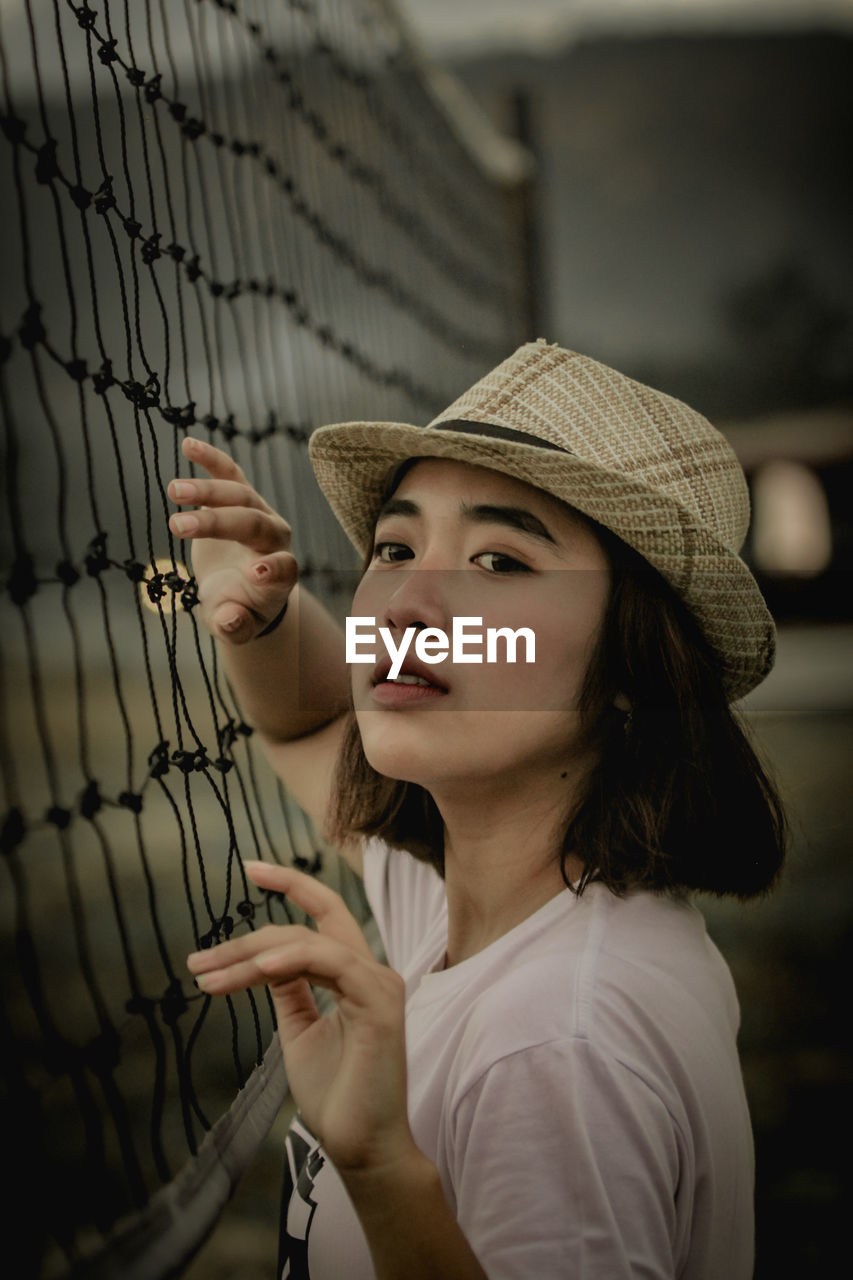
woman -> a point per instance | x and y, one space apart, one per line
545 1082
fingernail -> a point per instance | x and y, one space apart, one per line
182 489
184 524
201 980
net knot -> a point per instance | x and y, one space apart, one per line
136 77
77 370
85 16
182 416
108 52
67 574
142 395
58 816
173 580
191 761
246 909
223 765
229 428
90 800
193 269
131 800
177 110
313 866
134 570
155 588
81 197
46 167
176 252
13 127
173 1003
150 250
13 831
22 582
96 557
105 196
31 330
132 227
158 760
189 595
103 379
193 128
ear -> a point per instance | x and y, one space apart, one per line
621 703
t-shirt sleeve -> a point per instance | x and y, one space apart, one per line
565 1163
406 897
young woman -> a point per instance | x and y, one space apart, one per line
544 1079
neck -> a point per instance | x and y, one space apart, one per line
502 859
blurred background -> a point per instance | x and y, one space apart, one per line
676 180
690 223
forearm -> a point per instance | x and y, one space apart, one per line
410 1227
294 680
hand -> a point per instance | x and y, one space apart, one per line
241 547
346 1070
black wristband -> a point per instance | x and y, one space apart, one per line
271 626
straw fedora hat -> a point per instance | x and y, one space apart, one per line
641 463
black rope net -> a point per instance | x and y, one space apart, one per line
240 218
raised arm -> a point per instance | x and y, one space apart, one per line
291 683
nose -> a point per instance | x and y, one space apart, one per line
419 599
406 598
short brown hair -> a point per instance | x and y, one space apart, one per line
677 798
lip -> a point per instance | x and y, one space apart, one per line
411 667
388 693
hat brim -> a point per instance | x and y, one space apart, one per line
354 461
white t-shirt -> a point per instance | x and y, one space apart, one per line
576 1083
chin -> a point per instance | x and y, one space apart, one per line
392 752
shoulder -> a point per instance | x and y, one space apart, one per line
634 979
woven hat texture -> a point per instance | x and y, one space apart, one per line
652 470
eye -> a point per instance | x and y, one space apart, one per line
392 552
500 565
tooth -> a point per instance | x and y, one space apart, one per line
406 679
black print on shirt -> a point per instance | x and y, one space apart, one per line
304 1162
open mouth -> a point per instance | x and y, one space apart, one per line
410 685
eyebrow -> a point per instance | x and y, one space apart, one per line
516 518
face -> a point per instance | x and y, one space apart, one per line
457 540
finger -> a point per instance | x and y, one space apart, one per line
215 493
295 1008
299 954
261 531
216 462
327 908
237 950
360 984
